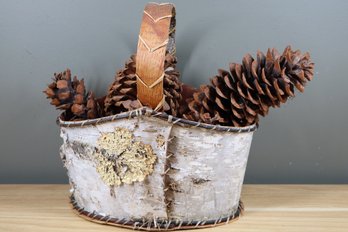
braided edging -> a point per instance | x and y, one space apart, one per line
145 225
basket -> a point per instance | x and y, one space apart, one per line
169 173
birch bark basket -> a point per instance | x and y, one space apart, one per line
147 170
195 179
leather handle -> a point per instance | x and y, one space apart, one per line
156 38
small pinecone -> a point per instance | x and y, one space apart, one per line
237 97
70 95
122 93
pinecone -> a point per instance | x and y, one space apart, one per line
70 95
93 110
122 94
236 98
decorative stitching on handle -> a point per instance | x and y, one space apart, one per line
159 80
155 48
158 107
172 30
158 19
160 4
173 52
160 104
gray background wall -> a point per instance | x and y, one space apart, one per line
305 141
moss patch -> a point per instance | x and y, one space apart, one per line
122 159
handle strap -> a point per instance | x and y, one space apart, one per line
156 38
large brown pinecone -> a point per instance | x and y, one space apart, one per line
236 98
70 95
122 93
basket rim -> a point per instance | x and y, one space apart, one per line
145 111
156 225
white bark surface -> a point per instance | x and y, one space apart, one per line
208 169
198 174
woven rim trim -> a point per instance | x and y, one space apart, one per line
149 112
142 224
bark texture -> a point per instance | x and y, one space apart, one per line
197 174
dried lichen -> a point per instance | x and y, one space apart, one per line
160 140
105 168
121 159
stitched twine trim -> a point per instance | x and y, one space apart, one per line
147 112
155 224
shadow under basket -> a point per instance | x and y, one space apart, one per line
150 171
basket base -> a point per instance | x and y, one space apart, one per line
141 224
